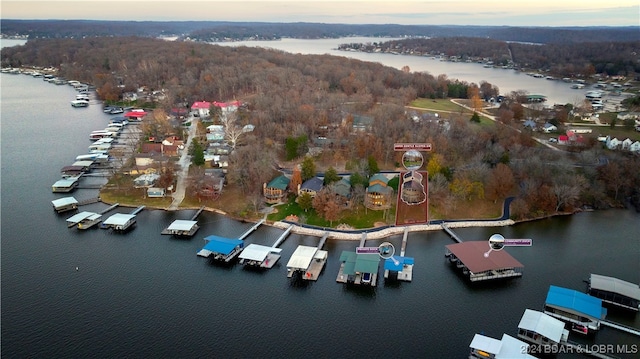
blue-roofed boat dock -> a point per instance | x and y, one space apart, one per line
581 310
401 266
225 249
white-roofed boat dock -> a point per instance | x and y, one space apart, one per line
615 292
65 204
84 220
122 221
181 227
257 255
308 261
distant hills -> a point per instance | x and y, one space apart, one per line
217 31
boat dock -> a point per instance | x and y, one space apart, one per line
225 249
470 258
113 206
89 201
181 227
400 266
84 220
195 216
65 204
615 292
256 255
137 210
308 261
451 233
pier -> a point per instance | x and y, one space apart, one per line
113 206
262 256
451 233
255 226
137 210
624 328
193 218
89 201
401 266
308 261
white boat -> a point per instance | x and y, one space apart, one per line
593 94
577 86
79 103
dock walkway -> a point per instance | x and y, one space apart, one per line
451 233
323 239
621 327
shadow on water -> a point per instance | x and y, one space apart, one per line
392 282
221 264
298 282
360 291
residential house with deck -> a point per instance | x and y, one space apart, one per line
276 190
378 192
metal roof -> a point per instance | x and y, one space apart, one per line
302 257
471 254
542 324
280 182
222 245
359 262
257 252
80 216
615 285
119 219
507 348
66 182
64 201
182 225
314 184
397 264
576 301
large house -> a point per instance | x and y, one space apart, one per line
378 192
276 190
311 186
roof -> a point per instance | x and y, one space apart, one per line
280 182
472 256
64 201
136 114
119 219
302 257
378 188
257 252
359 262
615 285
314 184
378 177
201 105
398 264
80 216
182 225
576 301
222 245
227 104
542 324
342 187
509 347
66 182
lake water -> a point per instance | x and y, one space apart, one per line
141 294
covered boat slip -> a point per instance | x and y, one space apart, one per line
65 185
470 257
182 227
575 307
65 204
358 268
119 221
615 291
506 348
260 256
223 249
309 261
401 266
540 328
84 220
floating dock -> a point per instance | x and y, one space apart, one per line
84 220
120 221
358 268
181 227
507 348
615 292
400 267
65 204
307 261
583 312
65 185
542 329
221 248
256 255
470 258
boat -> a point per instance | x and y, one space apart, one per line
79 103
577 86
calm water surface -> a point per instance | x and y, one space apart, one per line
144 295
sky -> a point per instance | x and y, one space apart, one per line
405 12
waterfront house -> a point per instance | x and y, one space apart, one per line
378 192
626 144
276 190
155 192
311 186
635 147
146 180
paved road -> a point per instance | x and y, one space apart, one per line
185 161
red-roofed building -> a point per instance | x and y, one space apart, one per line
201 108
563 139
135 115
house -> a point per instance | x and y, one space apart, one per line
311 186
635 147
378 193
563 140
276 190
155 192
200 108
146 180
626 144
361 123
549 127
342 189
613 143
530 125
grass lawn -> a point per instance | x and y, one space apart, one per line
438 105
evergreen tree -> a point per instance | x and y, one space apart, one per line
308 168
197 153
305 201
331 176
